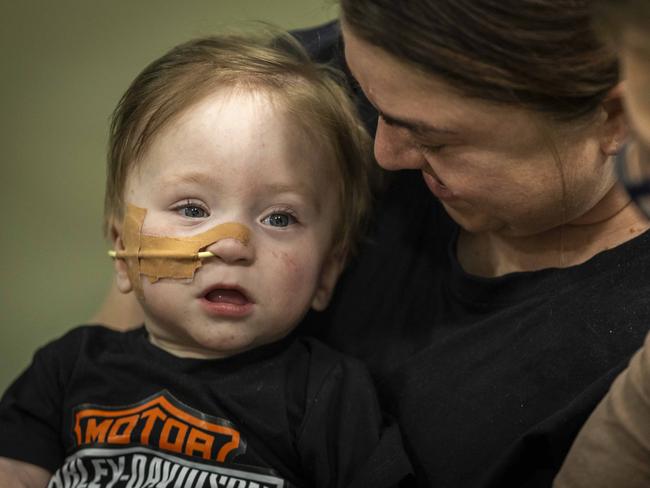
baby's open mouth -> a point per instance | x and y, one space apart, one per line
227 295
227 301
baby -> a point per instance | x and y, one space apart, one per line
236 189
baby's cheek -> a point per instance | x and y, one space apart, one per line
288 262
297 273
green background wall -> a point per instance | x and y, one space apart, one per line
63 67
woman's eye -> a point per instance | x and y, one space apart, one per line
279 220
431 149
193 212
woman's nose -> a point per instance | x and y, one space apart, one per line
232 251
395 149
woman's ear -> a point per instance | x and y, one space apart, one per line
330 273
615 127
122 279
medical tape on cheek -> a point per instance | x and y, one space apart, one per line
159 257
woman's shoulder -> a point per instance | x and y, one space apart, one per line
322 42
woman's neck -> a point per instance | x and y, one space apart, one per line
613 221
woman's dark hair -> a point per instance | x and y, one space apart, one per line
541 54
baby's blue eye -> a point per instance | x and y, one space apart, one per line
194 212
279 220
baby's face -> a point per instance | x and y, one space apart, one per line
236 157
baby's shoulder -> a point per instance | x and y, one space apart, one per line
84 340
81 334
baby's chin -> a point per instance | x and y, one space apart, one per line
210 344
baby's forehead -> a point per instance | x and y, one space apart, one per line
239 131
232 117
233 104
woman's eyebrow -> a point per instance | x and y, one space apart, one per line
418 127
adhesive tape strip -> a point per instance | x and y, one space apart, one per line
159 257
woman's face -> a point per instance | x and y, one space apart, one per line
494 167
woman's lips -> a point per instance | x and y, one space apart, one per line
437 187
226 301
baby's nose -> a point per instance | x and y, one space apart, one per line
233 251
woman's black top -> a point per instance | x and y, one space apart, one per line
490 378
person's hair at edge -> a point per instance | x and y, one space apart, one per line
613 17
272 62
538 54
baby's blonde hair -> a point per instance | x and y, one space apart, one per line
313 94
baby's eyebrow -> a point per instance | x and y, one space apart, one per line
303 191
300 189
191 177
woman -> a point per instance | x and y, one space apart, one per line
613 448
487 300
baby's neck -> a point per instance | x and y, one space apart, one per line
183 351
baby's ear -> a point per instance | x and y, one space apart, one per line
121 269
329 275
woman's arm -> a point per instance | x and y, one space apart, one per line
19 474
119 311
613 447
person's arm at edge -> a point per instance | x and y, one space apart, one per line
119 311
19 474
613 446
